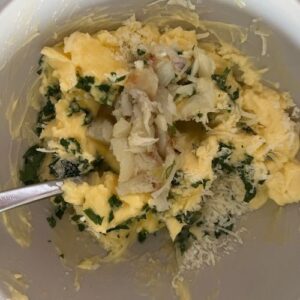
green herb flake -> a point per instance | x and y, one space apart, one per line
140 52
53 91
93 216
178 178
85 83
204 182
114 201
244 172
81 227
221 162
88 117
142 235
247 129
182 240
40 63
51 221
104 87
121 78
146 208
189 217
111 216
123 226
33 160
71 145
74 107
235 95
221 79
58 199
60 210
76 218
109 93
196 184
46 114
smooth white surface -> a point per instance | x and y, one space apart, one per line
267 265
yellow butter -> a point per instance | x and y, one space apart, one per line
91 57
283 186
275 125
179 38
174 227
63 68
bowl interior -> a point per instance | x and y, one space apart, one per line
263 267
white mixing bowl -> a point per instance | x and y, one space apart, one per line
266 266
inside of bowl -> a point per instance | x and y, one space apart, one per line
263 267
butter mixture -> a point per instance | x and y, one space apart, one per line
166 129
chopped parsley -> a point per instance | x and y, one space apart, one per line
142 235
178 177
247 129
33 160
53 91
114 201
109 92
146 208
104 87
121 78
71 145
111 216
196 184
189 217
221 79
46 114
93 216
88 117
123 226
140 52
51 221
74 108
244 170
182 240
61 207
40 63
221 161
85 83
81 227
76 218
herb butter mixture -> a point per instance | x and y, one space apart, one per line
167 129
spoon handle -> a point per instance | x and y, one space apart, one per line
24 195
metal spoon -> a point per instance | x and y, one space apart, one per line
28 194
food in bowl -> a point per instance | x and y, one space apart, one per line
167 128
